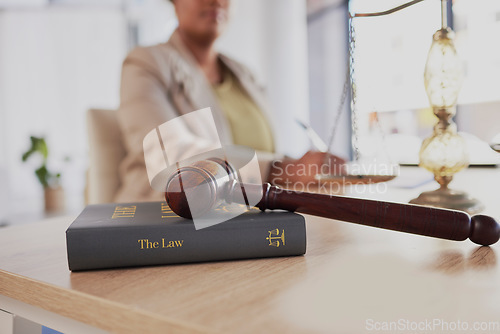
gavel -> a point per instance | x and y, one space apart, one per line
215 181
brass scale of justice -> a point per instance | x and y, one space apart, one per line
219 183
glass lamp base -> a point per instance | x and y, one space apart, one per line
449 199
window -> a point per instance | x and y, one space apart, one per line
389 60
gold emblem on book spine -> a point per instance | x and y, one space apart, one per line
230 208
124 212
275 237
166 212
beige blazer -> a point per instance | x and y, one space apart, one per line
158 84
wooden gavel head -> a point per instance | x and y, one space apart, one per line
197 189
207 184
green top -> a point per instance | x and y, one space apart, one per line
248 124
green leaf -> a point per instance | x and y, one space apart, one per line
41 146
38 145
43 176
27 154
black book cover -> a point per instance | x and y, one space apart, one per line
149 233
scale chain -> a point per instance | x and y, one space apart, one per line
349 86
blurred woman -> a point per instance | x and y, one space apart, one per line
162 82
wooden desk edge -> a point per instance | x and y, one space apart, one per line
88 309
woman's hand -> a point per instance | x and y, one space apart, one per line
290 172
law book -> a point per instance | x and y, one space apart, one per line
149 233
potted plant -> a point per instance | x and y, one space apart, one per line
53 191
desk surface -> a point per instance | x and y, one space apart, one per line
351 279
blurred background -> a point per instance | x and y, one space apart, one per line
59 58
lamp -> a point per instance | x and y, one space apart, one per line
444 153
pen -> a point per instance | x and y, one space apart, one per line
318 143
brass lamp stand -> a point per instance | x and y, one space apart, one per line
444 153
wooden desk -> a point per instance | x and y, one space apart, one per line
352 279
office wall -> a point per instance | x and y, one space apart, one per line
328 60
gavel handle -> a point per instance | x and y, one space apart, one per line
415 219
